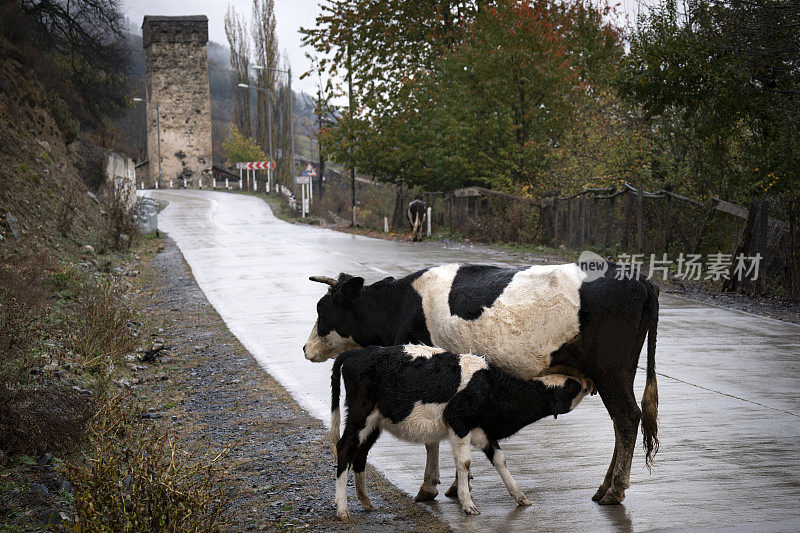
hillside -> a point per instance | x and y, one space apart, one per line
40 186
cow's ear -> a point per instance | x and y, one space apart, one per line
351 287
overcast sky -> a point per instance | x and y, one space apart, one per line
289 14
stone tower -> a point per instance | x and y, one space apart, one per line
177 86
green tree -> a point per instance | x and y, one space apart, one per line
606 144
721 84
239 148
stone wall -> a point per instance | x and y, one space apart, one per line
178 101
119 172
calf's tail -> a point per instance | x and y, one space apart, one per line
650 396
336 414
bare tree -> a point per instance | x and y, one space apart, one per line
78 49
265 45
325 114
239 43
281 117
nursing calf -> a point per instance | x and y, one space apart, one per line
425 395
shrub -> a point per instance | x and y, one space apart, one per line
136 478
65 218
120 228
90 164
68 126
22 303
99 332
37 419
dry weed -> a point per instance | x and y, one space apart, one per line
136 477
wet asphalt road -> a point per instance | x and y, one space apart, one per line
728 384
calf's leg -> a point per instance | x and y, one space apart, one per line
428 490
346 449
355 433
498 459
461 457
452 492
359 465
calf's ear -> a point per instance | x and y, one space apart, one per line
351 287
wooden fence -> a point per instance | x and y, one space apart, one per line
632 220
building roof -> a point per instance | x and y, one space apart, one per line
164 18
183 29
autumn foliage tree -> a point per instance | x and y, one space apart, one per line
481 97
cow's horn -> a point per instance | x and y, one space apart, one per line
324 279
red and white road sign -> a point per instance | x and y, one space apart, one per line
309 171
256 165
304 180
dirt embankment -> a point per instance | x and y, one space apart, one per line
206 395
44 205
211 393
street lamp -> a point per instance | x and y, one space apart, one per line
158 134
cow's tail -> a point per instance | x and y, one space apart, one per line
650 396
336 413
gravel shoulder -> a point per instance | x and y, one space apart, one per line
211 393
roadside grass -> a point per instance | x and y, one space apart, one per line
65 332
139 477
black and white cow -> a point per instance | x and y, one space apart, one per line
426 395
416 214
527 321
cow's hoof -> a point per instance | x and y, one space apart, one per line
522 500
612 498
452 492
471 510
600 493
344 516
367 506
426 495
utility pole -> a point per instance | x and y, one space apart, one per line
291 132
319 141
350 105
158 134
270 172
